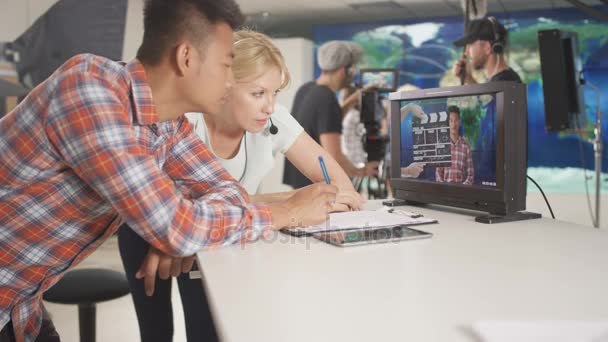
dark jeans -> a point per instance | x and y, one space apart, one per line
47 331
154 313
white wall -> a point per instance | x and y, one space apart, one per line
134 29
298 54
16 16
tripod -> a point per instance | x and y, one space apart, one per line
598 149
374 186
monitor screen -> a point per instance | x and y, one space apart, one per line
453 139
383 79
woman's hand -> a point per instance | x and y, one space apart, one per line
348 201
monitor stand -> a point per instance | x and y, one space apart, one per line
517 216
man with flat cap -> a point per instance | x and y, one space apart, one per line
485 42
317 109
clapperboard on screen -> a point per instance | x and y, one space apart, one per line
431 136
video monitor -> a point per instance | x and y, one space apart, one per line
462 146
386 80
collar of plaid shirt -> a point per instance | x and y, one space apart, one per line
145 111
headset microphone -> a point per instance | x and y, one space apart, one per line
273 129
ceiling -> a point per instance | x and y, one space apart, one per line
291 17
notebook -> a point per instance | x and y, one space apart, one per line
352 220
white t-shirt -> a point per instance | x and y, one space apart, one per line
352 138
251 167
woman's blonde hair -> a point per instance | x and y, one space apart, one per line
254 53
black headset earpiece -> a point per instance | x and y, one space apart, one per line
273 129
497 42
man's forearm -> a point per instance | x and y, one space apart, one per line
272 198
280 215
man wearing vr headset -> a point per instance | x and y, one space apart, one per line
485 43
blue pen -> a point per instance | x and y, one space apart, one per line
324 169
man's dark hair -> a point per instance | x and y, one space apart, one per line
454 109
168 21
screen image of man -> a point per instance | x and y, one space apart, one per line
461 170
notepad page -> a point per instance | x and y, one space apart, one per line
363 219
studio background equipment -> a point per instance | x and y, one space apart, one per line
563 83
373 114
372 110
10 90
68 28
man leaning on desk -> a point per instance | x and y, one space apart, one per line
100 143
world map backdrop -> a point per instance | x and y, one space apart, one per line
423 53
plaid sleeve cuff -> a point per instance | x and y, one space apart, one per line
261 221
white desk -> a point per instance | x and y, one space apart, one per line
300 289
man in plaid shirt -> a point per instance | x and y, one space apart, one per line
461 170
100 143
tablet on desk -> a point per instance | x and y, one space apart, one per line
371 235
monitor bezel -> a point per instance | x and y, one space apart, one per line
506 196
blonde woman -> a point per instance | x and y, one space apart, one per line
245 136
251 129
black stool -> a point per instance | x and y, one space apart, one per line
86 287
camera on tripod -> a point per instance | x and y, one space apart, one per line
372 110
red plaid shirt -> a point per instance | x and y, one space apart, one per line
461 170
84 152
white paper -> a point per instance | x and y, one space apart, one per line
363 219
